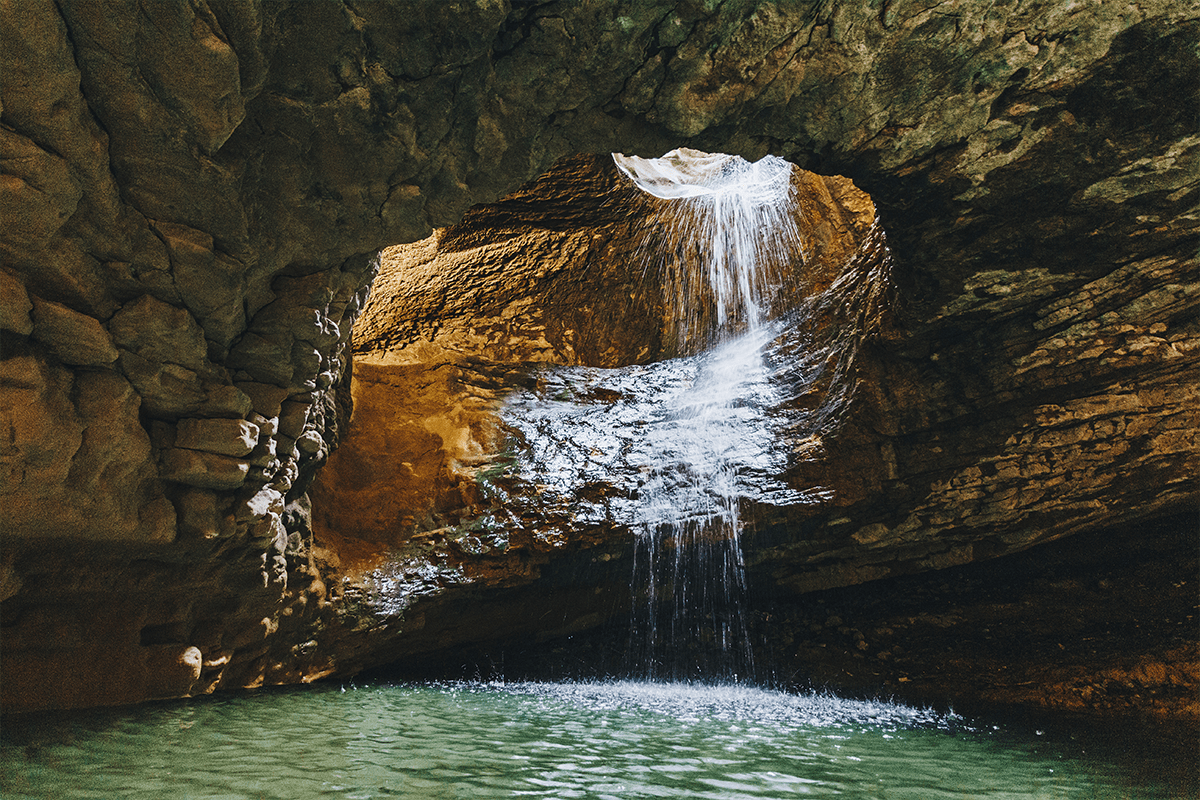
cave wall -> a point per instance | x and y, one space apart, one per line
194 196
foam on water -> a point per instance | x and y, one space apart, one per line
692 702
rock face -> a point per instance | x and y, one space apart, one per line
194 196
576 269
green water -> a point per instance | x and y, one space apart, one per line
570 740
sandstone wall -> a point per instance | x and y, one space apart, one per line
193 196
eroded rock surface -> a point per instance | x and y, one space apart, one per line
194 196
453 454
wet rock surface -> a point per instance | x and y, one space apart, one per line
546 460
194 196
509 418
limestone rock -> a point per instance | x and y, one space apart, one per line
200 514
263 503
160 334
264 360
225 400
209 283
205 470
39 194
167 390
293 417
310 442
164 353
106 487
171 671
211 182
14 306
229 437
74 338
43 427
267 427
265 398
114 467
59 190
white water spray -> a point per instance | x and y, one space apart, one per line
676 449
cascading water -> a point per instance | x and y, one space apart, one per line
728 240
732 228
677 449
674 450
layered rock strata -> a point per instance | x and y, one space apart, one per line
430 420
194 196
568 271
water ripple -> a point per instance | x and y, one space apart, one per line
622 740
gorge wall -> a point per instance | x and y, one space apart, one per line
195 197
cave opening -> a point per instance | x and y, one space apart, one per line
988 498
543 313
632 360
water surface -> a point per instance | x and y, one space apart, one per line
568 740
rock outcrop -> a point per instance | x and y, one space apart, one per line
194 196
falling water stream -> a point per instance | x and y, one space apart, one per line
697 429
736 224
695 437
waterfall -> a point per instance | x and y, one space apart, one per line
730 235
728 239
760 370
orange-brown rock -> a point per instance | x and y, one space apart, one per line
457 322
